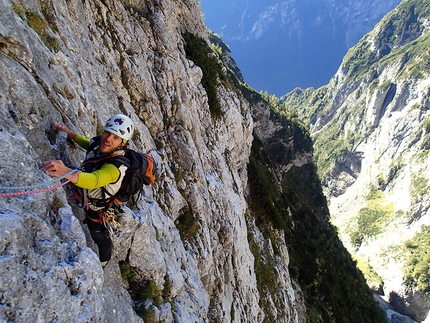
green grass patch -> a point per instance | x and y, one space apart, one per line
41 27
372 277
419 187
417 269
373 218
140 291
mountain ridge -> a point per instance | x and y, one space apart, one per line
293 43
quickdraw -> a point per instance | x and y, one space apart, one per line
76 196
111 224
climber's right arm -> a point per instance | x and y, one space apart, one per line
80 140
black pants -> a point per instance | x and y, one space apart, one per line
102 239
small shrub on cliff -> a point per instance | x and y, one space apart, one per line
187 224
127 272
141 292
201 53
419 187
417 269
372 277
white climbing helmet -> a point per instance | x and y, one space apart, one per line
120 125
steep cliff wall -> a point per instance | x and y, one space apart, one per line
184 254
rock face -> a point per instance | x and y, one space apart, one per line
79 62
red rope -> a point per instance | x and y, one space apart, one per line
38 191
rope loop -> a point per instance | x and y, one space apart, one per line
28 190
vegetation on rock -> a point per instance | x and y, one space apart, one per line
200 52
324 269
417 270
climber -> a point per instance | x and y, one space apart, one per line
118 130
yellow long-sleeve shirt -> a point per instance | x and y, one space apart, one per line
106 175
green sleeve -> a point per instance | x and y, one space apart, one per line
105 175
82 141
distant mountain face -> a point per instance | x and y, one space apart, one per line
370 126
280 45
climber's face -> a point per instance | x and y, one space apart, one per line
109 143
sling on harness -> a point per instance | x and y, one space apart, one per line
106 218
